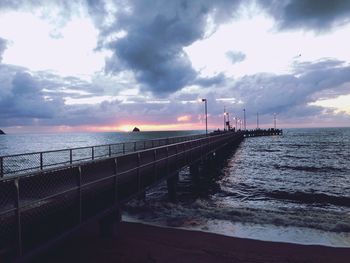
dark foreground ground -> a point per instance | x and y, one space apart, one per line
143 243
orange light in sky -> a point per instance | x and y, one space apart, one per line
184 118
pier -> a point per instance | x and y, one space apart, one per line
46 196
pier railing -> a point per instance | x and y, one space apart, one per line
18 164
43 206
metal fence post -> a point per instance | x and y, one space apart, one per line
109 150
18 216
70 156
92 153
1 167
124 148
41 161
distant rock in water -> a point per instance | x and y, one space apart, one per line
2 132
136 129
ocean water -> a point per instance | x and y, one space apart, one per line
291 188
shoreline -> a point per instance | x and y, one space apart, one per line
137 242
268 233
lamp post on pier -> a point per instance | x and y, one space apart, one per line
274 121
206 116
224 118
244 123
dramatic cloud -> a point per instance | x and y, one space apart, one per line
235 57
319 15
155 37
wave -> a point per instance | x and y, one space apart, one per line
200 211
288 156
309 168
269 150
310 198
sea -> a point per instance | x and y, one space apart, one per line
292 188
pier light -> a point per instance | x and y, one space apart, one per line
244 120
206 116
224 118
236 120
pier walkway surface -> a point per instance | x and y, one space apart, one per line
46 196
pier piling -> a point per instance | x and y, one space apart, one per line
172 187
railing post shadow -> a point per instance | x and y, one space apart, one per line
1 167
80 212
155 164
116 199
18 218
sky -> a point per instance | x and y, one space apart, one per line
110 65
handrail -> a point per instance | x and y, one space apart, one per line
22 163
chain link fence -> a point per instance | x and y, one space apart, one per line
30 162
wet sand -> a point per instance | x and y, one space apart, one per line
143 243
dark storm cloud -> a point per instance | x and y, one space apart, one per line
157 32
235 57
319 15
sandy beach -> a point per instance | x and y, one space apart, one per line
143 243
